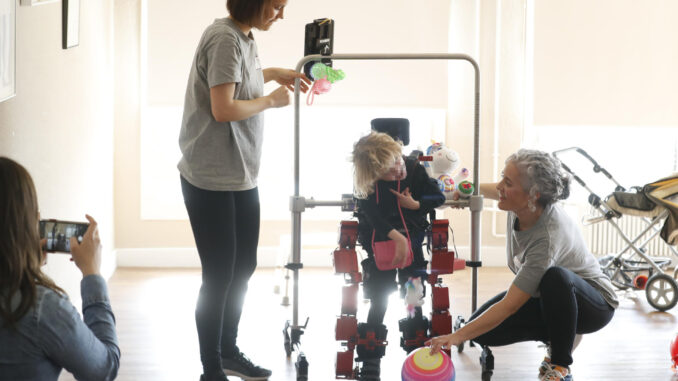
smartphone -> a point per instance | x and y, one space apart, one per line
59 233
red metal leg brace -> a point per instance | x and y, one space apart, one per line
345 261
345 365
348 234
440 298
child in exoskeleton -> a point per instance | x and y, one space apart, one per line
386 184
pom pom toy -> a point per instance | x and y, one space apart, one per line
323 76
320 70
414 295
465 189
420 365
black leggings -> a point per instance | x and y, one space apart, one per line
226 231
568 305
379 284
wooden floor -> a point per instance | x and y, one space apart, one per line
156 329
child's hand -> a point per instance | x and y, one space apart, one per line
455 197
402 249
406 200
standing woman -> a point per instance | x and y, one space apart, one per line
559 290
220 140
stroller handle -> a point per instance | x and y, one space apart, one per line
597 168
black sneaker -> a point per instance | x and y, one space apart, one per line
240 366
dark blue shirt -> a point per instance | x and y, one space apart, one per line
52 336
384 216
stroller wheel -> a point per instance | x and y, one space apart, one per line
661 291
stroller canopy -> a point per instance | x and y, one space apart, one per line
651 201
664 192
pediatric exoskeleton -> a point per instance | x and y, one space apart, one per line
368 339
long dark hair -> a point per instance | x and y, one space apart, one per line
20 254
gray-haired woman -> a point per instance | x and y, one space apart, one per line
558 290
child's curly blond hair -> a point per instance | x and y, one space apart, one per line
373 155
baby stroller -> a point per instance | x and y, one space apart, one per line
632 267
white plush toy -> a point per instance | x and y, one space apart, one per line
445 162
414 295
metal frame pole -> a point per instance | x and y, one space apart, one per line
476 201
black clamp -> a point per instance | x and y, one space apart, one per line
294 266
474 263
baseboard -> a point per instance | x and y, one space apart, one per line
268 256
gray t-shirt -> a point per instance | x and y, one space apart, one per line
222 156
553 241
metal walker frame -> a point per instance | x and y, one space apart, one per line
298 204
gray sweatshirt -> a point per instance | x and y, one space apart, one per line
554 240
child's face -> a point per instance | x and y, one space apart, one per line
396 172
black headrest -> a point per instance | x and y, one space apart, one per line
397 128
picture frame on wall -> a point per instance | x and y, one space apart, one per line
31 3
7 49
70 15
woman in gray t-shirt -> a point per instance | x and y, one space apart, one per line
221 138
559 290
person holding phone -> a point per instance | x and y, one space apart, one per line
41 332
221 139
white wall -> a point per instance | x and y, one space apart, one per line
605 80
544 63
60 124
492 33
375 26
173 32
606 62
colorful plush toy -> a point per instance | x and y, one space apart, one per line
442 168
414 295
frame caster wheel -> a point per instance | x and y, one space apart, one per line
301 366
287 340
460 322
486 363
661 291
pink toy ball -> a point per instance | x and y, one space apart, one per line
420 365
